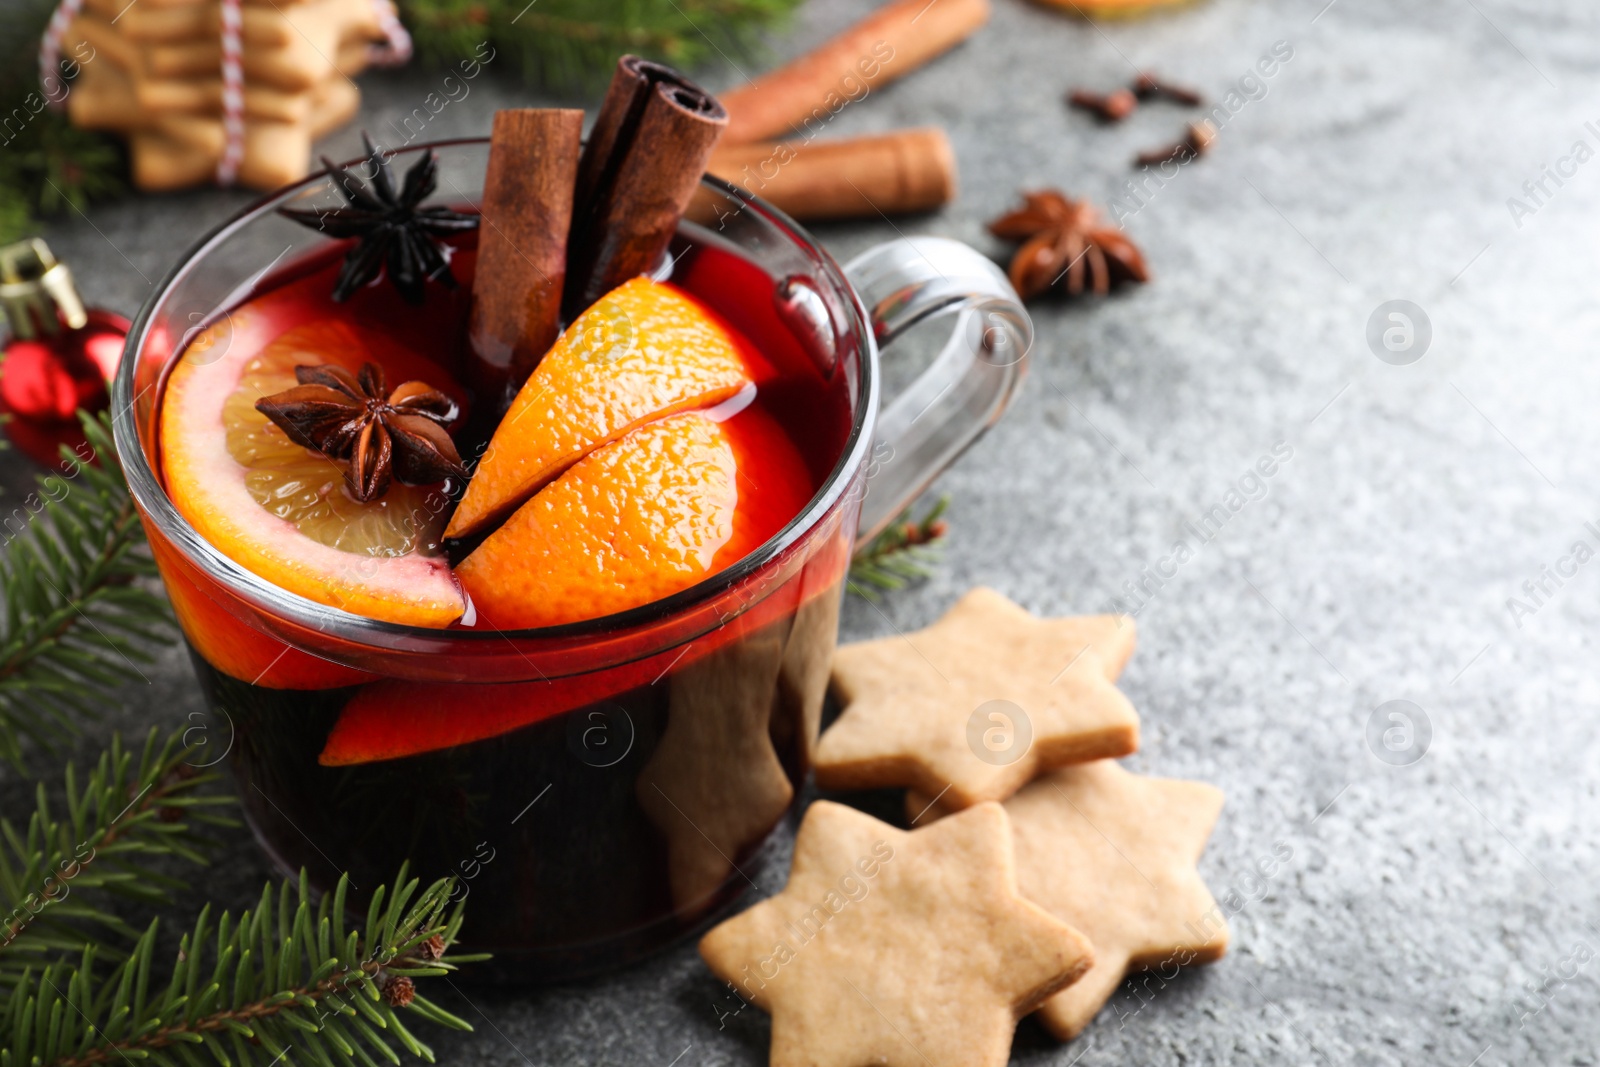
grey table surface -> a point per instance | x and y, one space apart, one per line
1424 899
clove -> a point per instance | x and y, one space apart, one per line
1110 107
1147 86
1197 140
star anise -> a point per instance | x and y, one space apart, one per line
1066 244
373 434
394 231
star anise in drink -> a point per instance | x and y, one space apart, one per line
395 233
372 434
1068 245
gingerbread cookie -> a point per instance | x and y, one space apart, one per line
158 80
714 786
177 4
170 149
888 947
980 702
102 99
285 69
335 41
328 106
808 658
163 161
203 96
1114 854
261 25
103 40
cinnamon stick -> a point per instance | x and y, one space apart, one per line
889 43
522 247
644 159
895 173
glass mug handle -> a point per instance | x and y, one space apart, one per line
967 386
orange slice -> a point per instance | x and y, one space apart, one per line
632 522
393 719
639 519
219 632
643 351
280 510
588 544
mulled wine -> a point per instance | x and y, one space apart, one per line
588 815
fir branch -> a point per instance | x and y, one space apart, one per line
286 981
570 45
64 168
901 553
131 808
76 622
47 166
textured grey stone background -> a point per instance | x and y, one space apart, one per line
1420 901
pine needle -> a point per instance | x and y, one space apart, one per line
131 808
573 45
47 166
76 620
284 981
900 554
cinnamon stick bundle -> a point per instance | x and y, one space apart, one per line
894 173
646 153
522 247
889 43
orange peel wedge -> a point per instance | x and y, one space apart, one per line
643 351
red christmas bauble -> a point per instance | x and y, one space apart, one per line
45 380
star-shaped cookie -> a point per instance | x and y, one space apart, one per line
714 785
903 949
1114 854
979 703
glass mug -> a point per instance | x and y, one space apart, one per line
598 787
